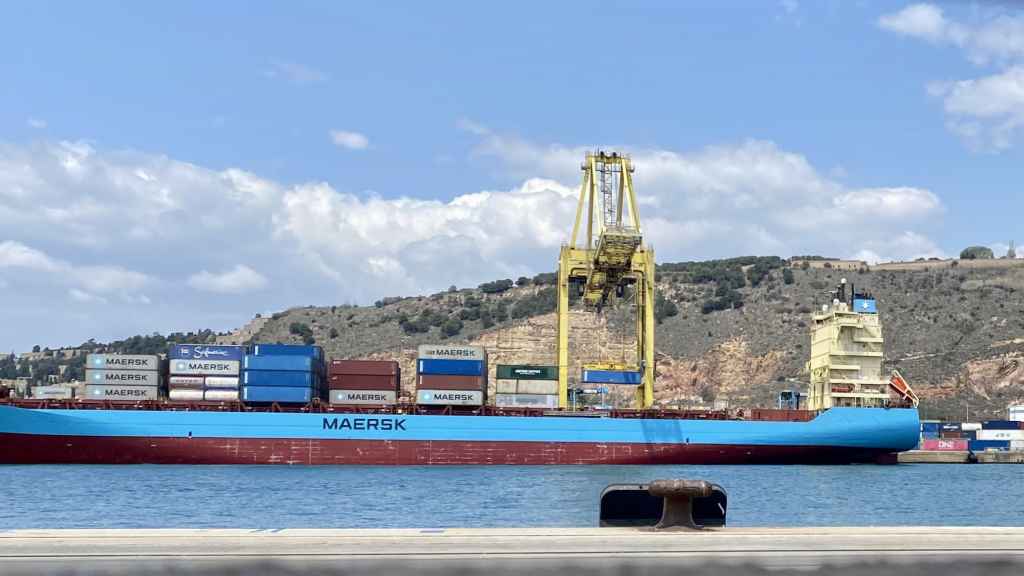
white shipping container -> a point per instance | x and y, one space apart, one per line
222 382
444 352
537 387
205 367
121 392
363 396
184 394
526 400
1016 444
505 386
186 380
122 362
968 426
122 378
1000 435
1016 413
53 392
222 395
450 397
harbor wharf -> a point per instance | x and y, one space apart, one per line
511 550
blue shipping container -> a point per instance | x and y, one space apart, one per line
929 435
982 445
278 379
205 352
277 394
1000 425
451 367
287 350
287 363
610 377
930 426
951 427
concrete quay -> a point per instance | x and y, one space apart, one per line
592 550
951 457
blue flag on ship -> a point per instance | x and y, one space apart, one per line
865 306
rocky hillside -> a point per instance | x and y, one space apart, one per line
731 331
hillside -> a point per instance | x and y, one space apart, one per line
732 331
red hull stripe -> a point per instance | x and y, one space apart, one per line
53 449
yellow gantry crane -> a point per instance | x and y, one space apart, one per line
612 257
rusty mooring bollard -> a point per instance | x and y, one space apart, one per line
664 504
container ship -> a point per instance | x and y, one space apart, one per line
283 404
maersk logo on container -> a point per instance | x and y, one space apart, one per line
205 367
440 352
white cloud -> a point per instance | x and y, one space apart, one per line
36 123
238 280
151 235
986 112
350 140
295 73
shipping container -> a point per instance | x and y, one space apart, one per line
227 382
121 392
982 445
287 350
930 435
186 381
451 367
967 426
185 395
526 372
363 397
122 362
363 382
189 385
1016 413
364 367
282 363
205 367
278 379
1000 425
221 395
526 400
955 434
447 352
958 445
1016 444
537 387
282 394
930 427
505 386
449 382
450 397
950 427
122 377
52 392
611 377
205 352
1000 434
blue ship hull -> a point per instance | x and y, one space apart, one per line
838 435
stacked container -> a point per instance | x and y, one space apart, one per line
629 377
122 377
204 372
282 373
526 386
364 381
451 375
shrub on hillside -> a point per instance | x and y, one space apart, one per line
496 287
977 253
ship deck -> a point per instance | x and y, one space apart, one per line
316 407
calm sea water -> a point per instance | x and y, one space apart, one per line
428 497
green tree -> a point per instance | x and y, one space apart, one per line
451 327
664 308
787 276
976 253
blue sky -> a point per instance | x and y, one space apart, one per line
186 165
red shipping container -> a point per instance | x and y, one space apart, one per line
450 382
951 435
364 367
363 382
945 445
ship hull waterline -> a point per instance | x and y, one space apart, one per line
47 436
